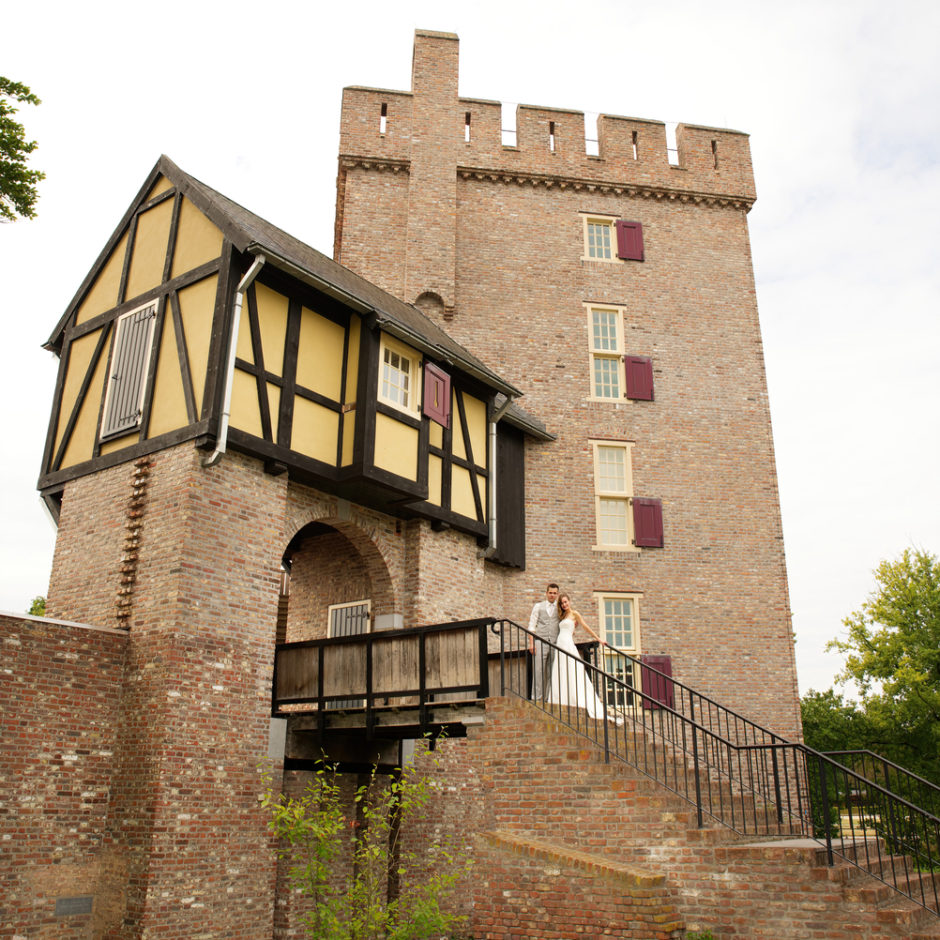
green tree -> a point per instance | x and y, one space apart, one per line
349 858
37 607
893 655
17 182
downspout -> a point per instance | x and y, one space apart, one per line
243 286
503 408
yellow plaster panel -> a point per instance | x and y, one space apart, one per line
436 438
314 431
476 422
197 240
168 411
320 355
461 493
161 186
352 360
396 447
274 407
246 414
243 348
349 437
434 480
149 253
272 323
103 294
197 308
82 441
80 353
481 484
119 443
456 426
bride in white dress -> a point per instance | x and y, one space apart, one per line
570 683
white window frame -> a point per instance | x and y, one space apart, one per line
619 499
333 607
614 356
608 221
614 664
146 351
413 404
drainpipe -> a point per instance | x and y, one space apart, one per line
243 286
503 408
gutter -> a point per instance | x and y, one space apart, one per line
243 285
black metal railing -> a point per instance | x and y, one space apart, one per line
730 769
892 777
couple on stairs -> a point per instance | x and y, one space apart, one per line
553 620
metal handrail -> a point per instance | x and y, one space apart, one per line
741 775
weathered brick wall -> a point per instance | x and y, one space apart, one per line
59 692
715 597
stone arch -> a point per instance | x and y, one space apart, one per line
433 307
335 557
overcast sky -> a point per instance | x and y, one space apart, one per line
842 102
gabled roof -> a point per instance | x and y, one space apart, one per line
252 234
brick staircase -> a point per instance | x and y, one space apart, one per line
574 847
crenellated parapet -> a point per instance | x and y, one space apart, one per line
381 128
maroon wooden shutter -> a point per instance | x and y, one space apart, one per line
437 394
647 523
629 240
659 689
639 370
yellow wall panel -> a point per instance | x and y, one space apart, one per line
197 240
168 411
456 426
434 480
349 437
243 349
352 360
83 437
149 252
272 321
246 414
103 294
476 421
314 431
161 186
320 355
119 443
80 353
197 307
436 438
274 405
461 493
396 447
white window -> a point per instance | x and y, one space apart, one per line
399 375
600 238
613 489
618 620
127 376
605 337
349 619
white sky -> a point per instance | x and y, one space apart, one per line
842 102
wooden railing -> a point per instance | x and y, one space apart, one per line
403 669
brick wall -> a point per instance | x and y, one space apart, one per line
59 691
715 597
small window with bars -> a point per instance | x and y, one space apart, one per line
127 376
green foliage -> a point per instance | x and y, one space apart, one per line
387 891
704 935
38 606
893 655
17 181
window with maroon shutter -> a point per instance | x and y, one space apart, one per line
629 240
657 689
647 523
437 394
639 370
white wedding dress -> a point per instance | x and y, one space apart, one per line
570 684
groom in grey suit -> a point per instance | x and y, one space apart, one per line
544 622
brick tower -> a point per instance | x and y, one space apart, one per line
616 291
